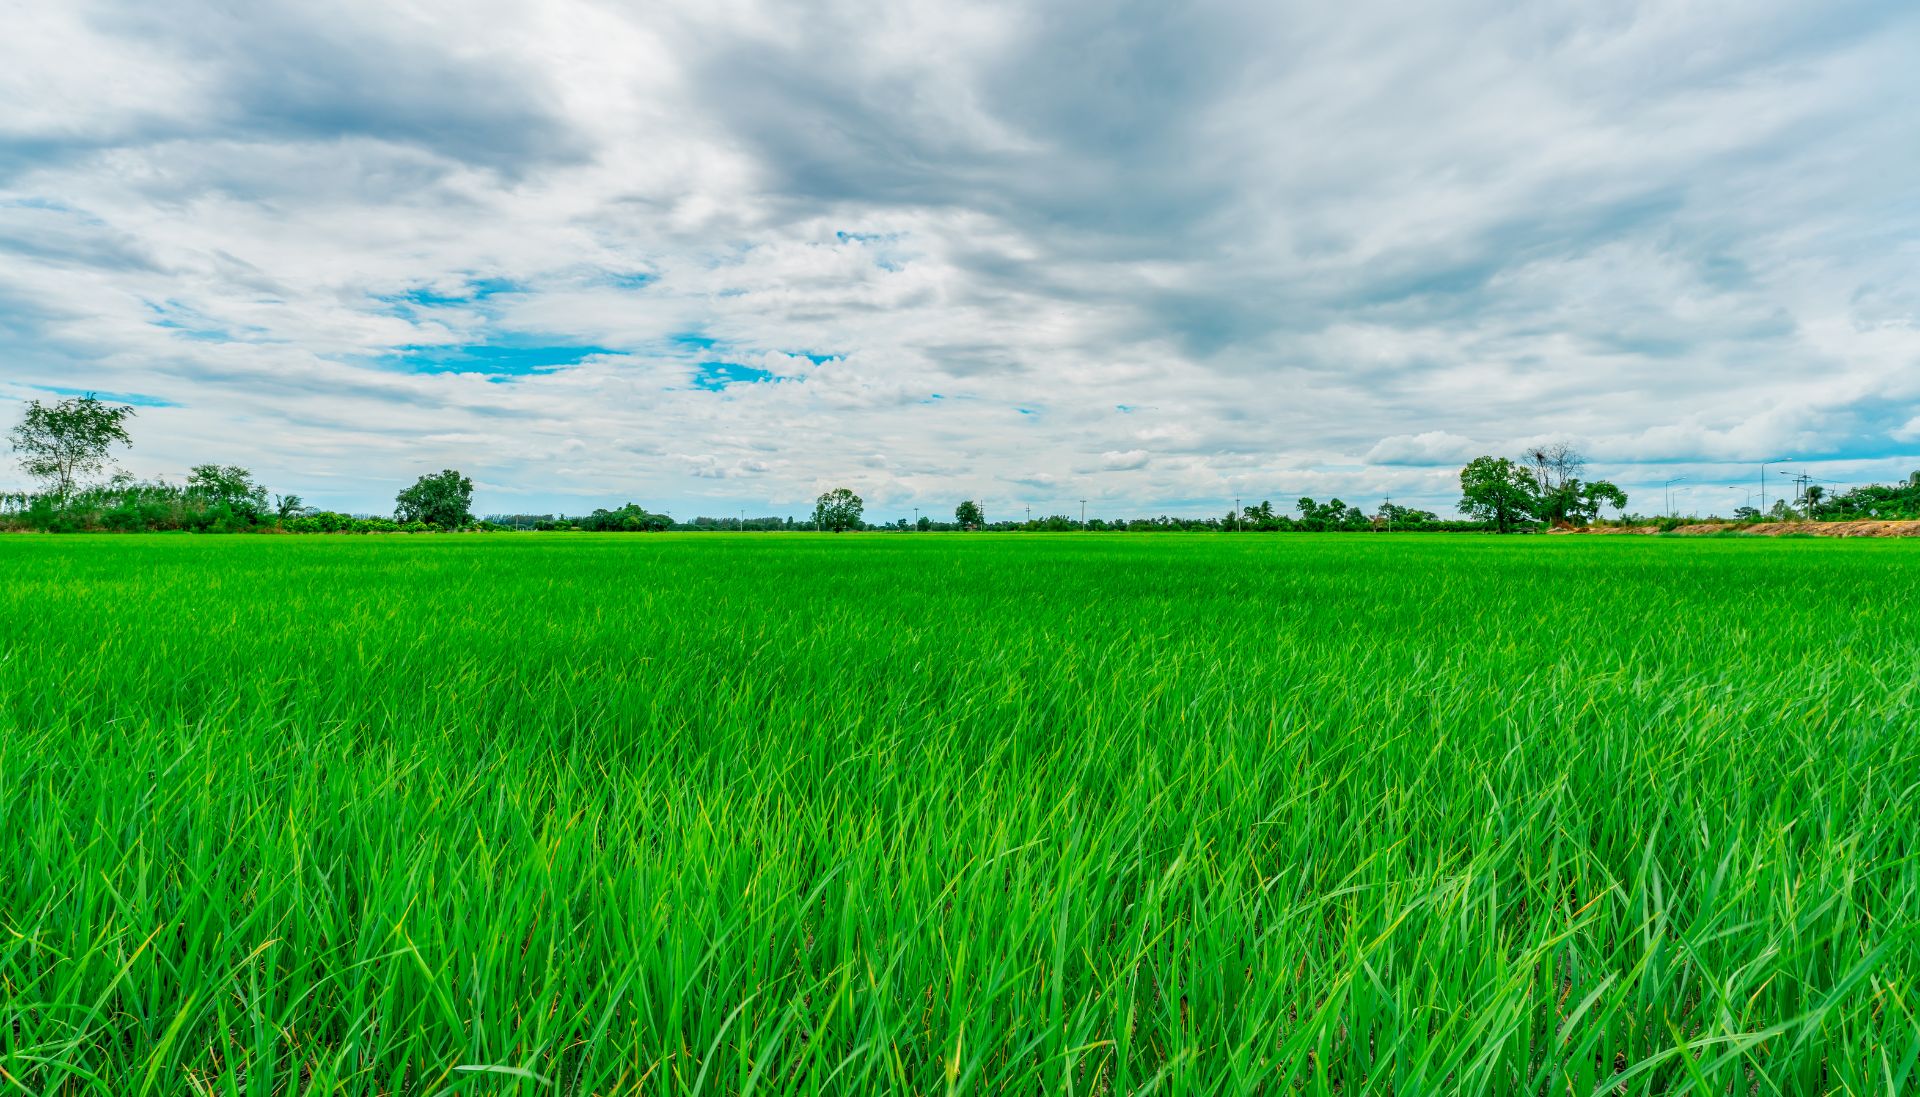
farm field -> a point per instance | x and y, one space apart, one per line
942 813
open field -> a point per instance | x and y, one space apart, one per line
798 814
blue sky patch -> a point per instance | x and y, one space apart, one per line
714 376
188 323
137 399
490 358
475 291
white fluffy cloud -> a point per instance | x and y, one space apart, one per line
708 256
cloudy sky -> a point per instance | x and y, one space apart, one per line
724 254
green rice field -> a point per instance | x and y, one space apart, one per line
917 814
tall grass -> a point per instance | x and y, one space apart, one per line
1090 815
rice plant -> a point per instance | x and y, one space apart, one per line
1095 815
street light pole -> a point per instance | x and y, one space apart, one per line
1669 487
1083 514
1763 480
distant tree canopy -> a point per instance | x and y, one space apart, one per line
1561 497
1494 489
968 516
444 499
62 442
1544 486
1394 516
837 510
230 487
631 518
1331 515
1869 501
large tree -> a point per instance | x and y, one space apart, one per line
1494 489
63 441
231 487
968 515
837 510
444 500
1599 494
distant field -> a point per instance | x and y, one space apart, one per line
1078 814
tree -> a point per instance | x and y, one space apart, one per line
632 518
229 486
444 500
1494 489
68 439
1331 515
289 506
1815 496
968 515
923 524
1555 469
837 510
1599 494
1555 466
1395 516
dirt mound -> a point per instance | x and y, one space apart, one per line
1861 528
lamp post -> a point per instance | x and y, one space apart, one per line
1763 479
1083 514
1669 489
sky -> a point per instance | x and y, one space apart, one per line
723 255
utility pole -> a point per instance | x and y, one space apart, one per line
1236 514
1388 507
1083 514
916 519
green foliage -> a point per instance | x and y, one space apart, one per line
66 440
327 521
680 815
1596 496
1331 515
1496 490
837 510
1394 516
127 505
1871 501
229 488
444 499
631 518
968 515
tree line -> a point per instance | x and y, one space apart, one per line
66 444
